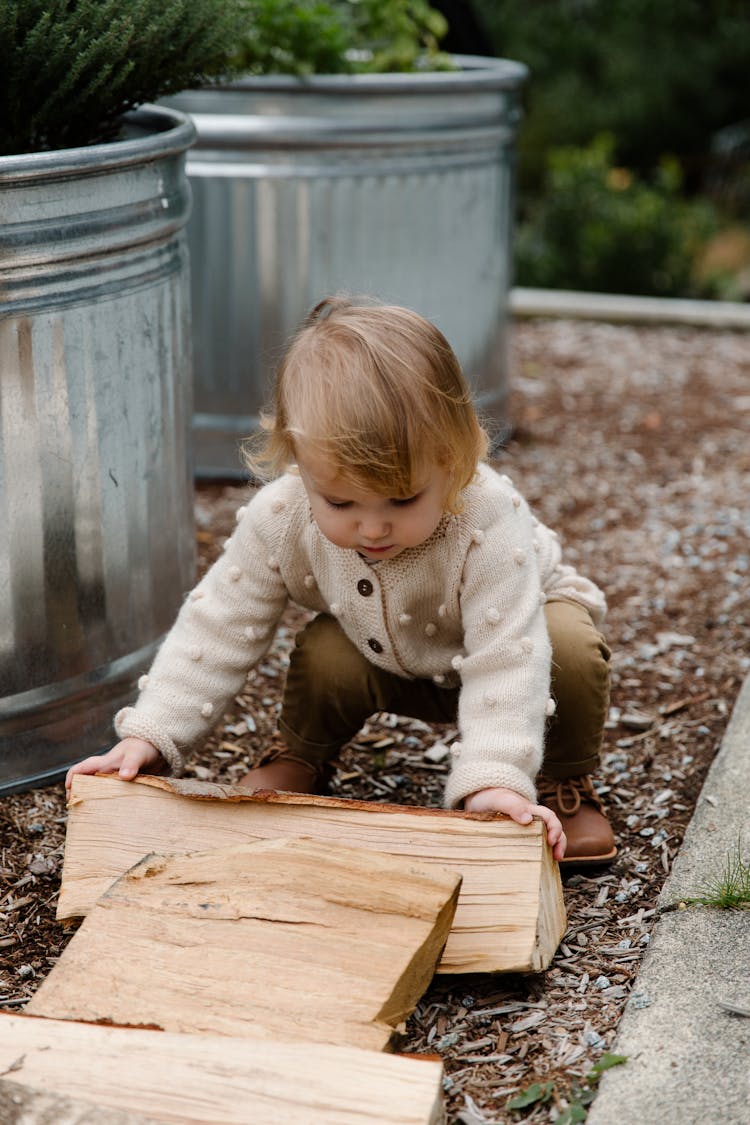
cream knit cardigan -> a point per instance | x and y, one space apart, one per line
465 606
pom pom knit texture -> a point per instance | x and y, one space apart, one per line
465 606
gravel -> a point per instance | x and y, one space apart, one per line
632 443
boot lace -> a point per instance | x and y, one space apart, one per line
568 792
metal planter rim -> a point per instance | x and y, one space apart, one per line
474 71
171 133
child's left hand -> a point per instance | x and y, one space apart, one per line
521 810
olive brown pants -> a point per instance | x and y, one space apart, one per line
332 689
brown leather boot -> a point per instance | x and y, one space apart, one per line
281 770
589 834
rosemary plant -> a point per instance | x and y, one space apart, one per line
69 69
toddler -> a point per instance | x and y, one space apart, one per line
437 594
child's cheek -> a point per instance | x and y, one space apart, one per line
333 528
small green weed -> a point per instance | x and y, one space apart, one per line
577 1098
729 890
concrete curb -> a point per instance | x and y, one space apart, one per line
688 1057
526 303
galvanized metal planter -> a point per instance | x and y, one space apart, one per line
96 531
400 186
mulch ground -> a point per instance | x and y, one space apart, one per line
631 442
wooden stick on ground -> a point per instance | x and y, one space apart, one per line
510 915
201 1079
282 939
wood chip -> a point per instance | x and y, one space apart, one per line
528 1022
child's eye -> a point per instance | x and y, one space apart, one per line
337 503
404 501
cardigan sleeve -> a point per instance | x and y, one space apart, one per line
505 672
225 626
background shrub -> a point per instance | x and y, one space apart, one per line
667 81
597 227
662 76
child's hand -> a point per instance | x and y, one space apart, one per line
521 810
127 759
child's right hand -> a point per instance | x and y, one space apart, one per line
521 810
127 759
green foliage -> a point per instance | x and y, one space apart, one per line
578 1097
70 68
661 77
536 1094
596 227
339 36
730 889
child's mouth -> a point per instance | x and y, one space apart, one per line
377 550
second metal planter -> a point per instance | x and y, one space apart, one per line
398 186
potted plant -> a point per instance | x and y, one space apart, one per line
350 154
96 540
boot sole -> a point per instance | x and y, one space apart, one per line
588 860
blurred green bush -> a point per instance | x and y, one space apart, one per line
598 227
667 80
661 75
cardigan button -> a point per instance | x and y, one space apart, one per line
365 587
375 645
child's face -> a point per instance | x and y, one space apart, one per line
376 526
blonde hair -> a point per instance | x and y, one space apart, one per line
377 391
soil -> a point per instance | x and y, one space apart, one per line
632 443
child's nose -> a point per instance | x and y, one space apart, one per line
374 527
